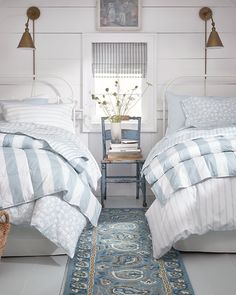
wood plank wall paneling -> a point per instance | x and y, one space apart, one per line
180 43
91 3
82 19
180 48
191 46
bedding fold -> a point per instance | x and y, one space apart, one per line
189 158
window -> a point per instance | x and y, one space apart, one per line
127 58
125 83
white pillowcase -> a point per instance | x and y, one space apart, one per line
209 112
35 100
176 117
58 115
32 100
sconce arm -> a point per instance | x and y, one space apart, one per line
213 24
27 26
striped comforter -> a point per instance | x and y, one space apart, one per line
192 174
39 160
189 158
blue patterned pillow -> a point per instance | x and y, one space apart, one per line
207 112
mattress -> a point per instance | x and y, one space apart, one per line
213 241
27 241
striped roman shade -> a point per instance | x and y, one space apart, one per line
124 59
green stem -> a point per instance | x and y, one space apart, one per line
141 95
128 102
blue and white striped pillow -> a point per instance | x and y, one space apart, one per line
58 115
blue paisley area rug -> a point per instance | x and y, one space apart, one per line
116 259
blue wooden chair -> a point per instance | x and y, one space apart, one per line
126 134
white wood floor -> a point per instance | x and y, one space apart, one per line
210 274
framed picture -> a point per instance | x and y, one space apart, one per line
118 15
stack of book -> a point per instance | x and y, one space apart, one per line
127 149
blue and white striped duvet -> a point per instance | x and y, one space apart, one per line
190 157
39 160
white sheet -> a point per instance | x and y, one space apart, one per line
210 205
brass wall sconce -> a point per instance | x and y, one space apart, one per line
213 41
26 41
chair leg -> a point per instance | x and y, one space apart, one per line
144 191
137 180
143 187
105 195
103 184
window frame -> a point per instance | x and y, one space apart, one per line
149 118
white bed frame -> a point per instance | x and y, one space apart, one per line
220 241
26 240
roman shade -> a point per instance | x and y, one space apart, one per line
123 59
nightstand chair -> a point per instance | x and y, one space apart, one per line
126 134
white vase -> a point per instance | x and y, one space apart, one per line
115 132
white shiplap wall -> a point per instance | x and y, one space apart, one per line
180 48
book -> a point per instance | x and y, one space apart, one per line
118 146
123 151
129 141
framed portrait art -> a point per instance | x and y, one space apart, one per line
118 15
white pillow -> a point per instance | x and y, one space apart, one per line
176 117
32 100
58 115
35 100
209 112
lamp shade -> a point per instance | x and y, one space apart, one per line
26 41
214 40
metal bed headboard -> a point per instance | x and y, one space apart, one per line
53 82
57 88
207 81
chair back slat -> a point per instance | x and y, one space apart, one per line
108 134
130 134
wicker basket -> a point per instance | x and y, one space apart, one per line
4 230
